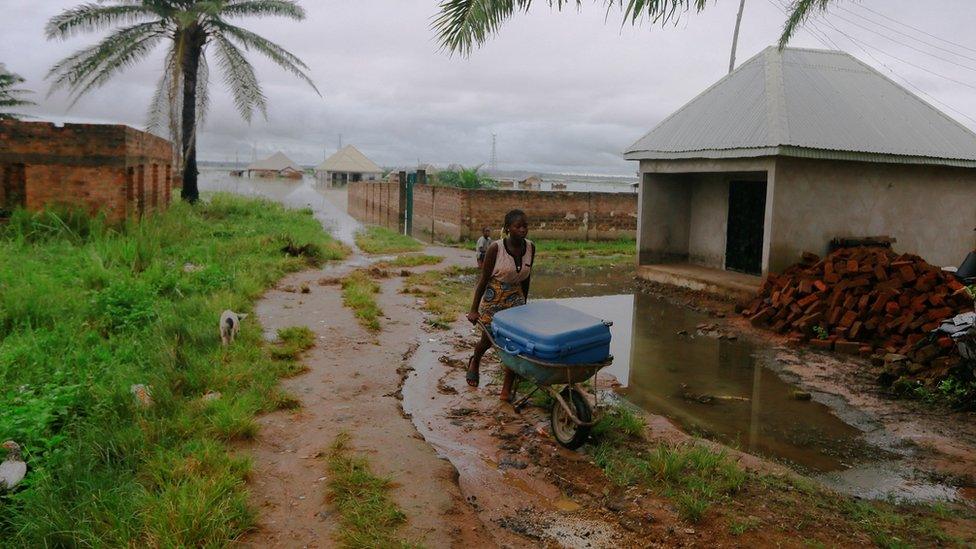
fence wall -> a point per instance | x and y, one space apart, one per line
445 213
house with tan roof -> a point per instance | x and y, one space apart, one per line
347 165
276 165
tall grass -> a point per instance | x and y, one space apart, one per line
87 310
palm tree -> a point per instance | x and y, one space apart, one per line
463 25
193 31
10 96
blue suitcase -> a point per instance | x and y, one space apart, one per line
551 332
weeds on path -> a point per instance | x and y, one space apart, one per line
380 240
446 294
86 311
359 294
368 516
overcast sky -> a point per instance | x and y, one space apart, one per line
564 92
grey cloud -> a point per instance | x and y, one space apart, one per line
563 91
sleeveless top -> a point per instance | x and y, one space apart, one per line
506 271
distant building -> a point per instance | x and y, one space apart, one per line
347 165
276 165
531 182
793 149
114 169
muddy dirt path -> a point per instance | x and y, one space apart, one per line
351 385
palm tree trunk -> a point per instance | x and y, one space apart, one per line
194 39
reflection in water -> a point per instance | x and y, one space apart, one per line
710 386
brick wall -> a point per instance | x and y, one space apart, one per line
116 169
445 213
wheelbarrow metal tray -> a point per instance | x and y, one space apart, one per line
553 333
543 374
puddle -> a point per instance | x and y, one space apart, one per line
718 388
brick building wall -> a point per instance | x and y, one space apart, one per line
446 213
116 169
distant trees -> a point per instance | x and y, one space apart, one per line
195 31
10 95
463 25
464 178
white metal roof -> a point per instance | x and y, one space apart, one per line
276 162
811 103
349 159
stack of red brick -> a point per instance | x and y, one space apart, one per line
862 300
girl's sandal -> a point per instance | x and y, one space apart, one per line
472 377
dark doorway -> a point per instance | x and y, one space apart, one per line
747 214
13 193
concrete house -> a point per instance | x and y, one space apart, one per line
793 149
276 165
347 165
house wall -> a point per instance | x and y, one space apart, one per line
112 168
446 213
930 210
684 207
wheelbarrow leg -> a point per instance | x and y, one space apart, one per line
522 402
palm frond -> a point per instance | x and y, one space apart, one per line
277 8
800 11
11 96
240 78
93 66
463 25
281 57
93 17
167 100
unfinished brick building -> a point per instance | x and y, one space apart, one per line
110 168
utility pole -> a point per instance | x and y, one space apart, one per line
340 141
735 35
493 161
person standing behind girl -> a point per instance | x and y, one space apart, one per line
504 283
483 244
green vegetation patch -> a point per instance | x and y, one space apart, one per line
444 294
359 294
368 516
380 240
86 311
292 342
411 260
562 255
706 484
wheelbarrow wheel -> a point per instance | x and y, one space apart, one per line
564 429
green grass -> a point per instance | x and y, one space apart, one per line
446 294
359 294
292 342
562 255
368 517
380 240
86 310
605 247
411 260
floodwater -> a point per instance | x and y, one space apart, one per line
670 360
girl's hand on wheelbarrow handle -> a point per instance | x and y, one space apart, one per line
473 317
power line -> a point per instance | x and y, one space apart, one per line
909 46
860 44
905 34
916 29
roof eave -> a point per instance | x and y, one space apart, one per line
800 152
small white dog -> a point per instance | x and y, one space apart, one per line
230 324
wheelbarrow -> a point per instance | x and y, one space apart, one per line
571 415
